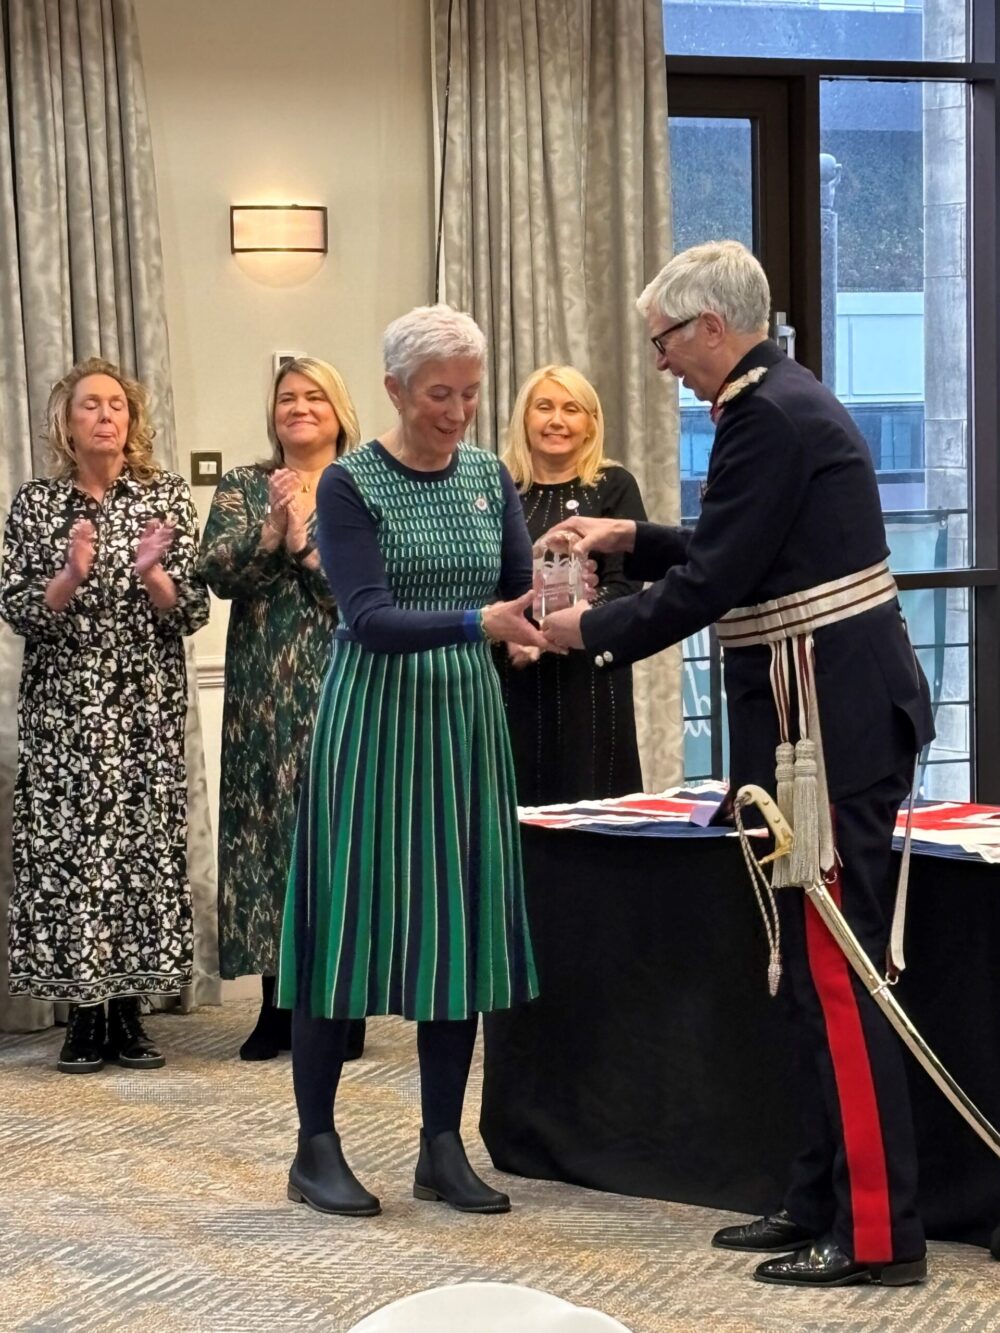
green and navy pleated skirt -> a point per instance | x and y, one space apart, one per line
405 892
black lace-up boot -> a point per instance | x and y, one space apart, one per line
128 1042
82 1051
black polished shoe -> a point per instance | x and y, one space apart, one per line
355 1047
128 1042
825 1264
83 1048
272 1034
774 1232
320 1177
443 1172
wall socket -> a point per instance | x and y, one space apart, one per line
206 469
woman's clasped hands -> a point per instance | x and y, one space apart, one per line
284 515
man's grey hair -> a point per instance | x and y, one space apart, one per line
722 276
430 333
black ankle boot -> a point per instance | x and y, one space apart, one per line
272 1034
355 1047
321 1178
128 1042
82 1051
443 1172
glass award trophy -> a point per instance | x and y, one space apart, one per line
557 578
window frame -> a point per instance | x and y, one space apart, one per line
802 80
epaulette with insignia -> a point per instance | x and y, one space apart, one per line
735 387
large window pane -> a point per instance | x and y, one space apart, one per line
939 625
895 300
704 151
712 192
706 736
818 29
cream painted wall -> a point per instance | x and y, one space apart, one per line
306 102
298 102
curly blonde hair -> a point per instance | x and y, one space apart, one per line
516 451
330 382
139 441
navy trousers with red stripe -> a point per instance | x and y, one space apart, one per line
857 1172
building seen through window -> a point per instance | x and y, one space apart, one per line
895 302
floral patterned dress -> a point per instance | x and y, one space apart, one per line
280 626
101 904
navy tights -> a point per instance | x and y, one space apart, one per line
444 1053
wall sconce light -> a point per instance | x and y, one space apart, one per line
289 228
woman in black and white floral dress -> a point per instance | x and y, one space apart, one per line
98 577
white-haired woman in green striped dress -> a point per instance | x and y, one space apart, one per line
405 894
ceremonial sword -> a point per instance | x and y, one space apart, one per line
877 985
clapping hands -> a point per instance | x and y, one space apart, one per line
156 540
285 514
282 487
81 549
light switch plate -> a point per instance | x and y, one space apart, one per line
206 469
279 359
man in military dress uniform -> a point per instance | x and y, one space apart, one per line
791 535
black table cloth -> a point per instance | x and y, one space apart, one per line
654 1062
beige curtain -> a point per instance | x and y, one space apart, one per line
552 140
80 275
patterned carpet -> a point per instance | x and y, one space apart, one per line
157 1201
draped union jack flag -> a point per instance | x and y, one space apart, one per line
940 828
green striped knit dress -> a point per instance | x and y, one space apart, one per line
405 891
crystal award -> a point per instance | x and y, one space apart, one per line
557 579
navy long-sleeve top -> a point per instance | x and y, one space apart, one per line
347 536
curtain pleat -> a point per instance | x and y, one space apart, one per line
555 216
81 274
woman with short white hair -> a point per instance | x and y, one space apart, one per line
406 894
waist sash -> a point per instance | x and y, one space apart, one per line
800 613
786 624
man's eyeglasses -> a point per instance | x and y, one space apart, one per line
659 339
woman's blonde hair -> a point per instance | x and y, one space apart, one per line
517 452
139 441
329 381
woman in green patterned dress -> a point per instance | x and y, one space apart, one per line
405 894
258 551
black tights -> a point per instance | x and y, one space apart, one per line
444 1052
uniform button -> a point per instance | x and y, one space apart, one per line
598 660
608 659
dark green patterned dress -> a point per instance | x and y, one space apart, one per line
405 894
280 622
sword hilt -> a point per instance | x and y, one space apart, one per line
779 826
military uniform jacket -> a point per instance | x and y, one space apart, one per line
790 502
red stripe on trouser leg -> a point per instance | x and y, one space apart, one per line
867 1172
